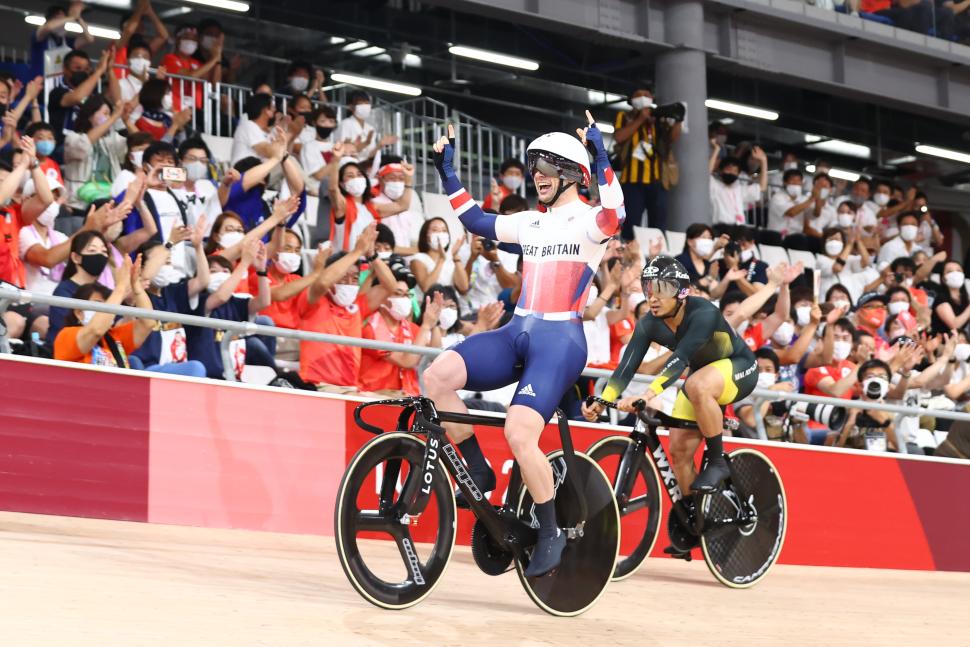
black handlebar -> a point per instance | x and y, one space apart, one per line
639 405
397 402
655 418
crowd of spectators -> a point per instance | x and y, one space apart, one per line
157 224
946 19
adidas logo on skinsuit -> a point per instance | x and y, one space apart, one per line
527 390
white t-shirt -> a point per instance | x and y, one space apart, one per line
364 218
778 221
728 203
484 286
351 129
853 276
121 182
894 248
312 160
597 332
248 134
42 280
169 214
447 274
907 427
401 225
202 200
827 217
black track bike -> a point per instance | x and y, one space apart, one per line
740 528
398 481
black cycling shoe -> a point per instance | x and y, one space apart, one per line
714 473
485 480
547 554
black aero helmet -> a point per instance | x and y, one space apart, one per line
665 276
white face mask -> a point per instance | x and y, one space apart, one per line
833 247
136 158
167 275
841 350
345 295
288 261
962 352
703 246
766 379
188 47
841 303
794 190
639 103
882 199
954 279
216 280
49 215
362 110
877 386
299 83
512 182
824 193
231 238
440 240
803 315
167 103
394 190
908 232
846 220
449 316
400 307
895 307
384 255
195 171
208 42
139 65
784 334
746 255
788 166
356 186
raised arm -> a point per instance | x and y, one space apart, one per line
471 215
611 213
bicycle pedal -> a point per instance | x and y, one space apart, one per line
575 532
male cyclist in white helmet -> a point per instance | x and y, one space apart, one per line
543 347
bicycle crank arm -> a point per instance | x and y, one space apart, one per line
575 532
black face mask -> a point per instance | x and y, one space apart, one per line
3 109
729 178
306 115
324 131
94 264
77 78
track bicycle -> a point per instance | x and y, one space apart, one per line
399 480
740 528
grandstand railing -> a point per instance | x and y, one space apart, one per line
234 329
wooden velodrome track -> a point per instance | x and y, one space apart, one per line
67 581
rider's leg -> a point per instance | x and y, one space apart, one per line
442 380
705 387
683 447
523 426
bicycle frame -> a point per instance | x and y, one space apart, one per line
420 416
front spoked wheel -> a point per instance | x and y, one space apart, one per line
593 545
400 573
639 507
740 554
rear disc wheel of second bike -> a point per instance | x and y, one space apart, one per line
588 561
740 556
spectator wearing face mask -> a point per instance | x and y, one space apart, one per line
156 118
905 243
53 37
958 386
186 94
837 379
79 82
790 210
951 308
870 316
393 373
297 78
87 260
930 236
739 269
768 378
318 152
437 260
18 212
698 250
139 60
90 337
511 177
300 128
351 200
845 261
776 177
212 34
165 350
729 198
198 194
284 281
823 213
908 383
870 428
395 200
44 250
355 129
133 34
44 144
333 305
866 209
242 189
254 136
903 313
93 153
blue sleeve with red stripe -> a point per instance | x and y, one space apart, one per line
471 215
611 215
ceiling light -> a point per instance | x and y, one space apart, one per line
838 173
377 84
354 46
605 127
741 109
229 5
74 28
837 147
410 60
945 153
373 50
595 96
114 4
337 40
905 159
175 11
494 57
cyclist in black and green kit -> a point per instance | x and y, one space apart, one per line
722 369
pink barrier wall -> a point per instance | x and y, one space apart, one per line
122 445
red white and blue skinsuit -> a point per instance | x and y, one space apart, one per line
543 347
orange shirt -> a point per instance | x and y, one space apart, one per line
52 169
329 363
489 204
283 313
376 372
619 330
11 267
754 336
182 65
65 346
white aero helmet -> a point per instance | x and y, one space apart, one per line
559 155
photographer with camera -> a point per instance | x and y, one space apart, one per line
870 428
643 155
